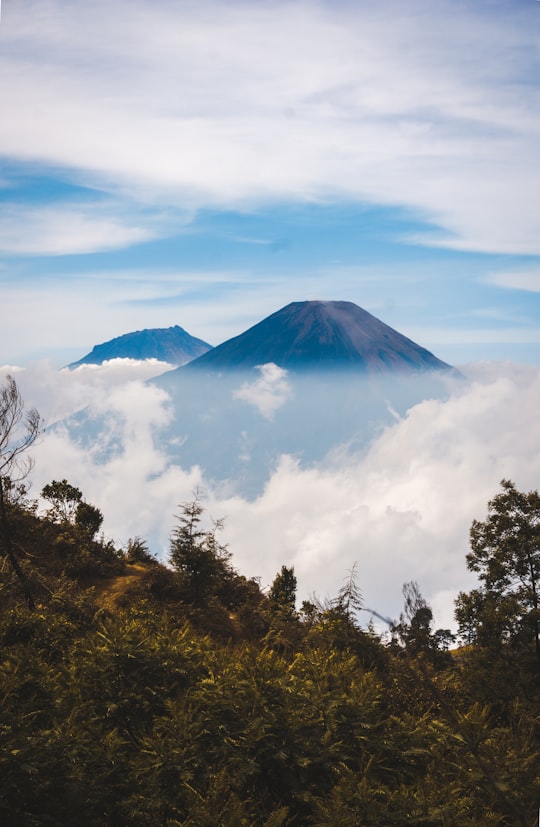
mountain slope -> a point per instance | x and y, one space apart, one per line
172 344
321 335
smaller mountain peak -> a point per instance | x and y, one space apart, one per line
166 344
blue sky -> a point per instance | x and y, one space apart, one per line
204 164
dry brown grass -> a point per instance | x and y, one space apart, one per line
109 592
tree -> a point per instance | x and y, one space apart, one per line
69 508
414 630
19 430
282 593
64 499
196 553
88 519
414 627
349 600
505 553
137 551
336 621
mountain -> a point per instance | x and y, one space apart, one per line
340 376
171 344
319 335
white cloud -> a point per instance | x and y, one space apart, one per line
136 489
65 230
119 370
269 392
424 105
402 509
528 280
59 394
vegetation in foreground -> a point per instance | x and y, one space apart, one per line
134 693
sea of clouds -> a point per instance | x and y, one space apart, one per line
399 507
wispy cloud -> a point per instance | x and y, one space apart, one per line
477 335
423 105
528 280
86 308
262 242
65 230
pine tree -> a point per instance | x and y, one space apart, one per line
196 553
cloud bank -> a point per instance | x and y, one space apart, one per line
402 508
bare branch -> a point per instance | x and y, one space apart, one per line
19 430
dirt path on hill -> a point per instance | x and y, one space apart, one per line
108 592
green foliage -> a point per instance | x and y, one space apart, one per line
282 593
137 551
197 700
505 553
414 630
349 600
88 519
64 499
69 508
196 554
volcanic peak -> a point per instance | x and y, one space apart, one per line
321 335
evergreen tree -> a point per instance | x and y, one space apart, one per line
282 594
197 555
349 600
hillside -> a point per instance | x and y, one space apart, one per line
135 693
